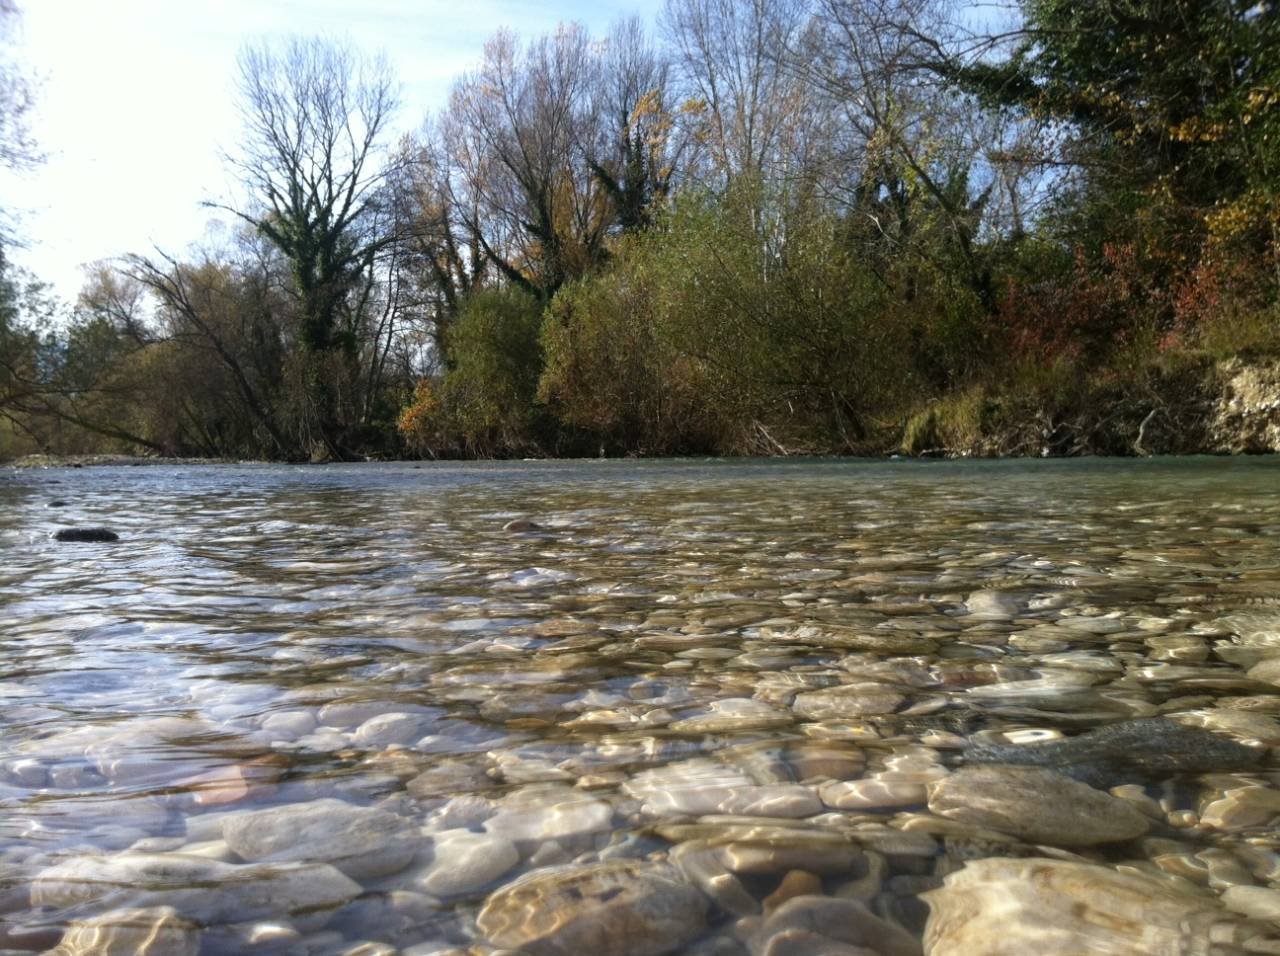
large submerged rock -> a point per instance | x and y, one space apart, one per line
1039 805
1148 749
362 842
1011 907
197 888
608 909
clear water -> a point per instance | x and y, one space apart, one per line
154 687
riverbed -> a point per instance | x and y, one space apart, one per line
698 706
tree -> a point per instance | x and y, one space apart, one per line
636 145
315 116
443 254
210 306
1171 102
754 114
18 148
514 130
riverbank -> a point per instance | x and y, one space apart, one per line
1185 405
88 461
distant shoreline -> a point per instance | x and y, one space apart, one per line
36 462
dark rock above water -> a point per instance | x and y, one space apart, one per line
521 526
88 535
1149 749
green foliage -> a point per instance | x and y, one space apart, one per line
900 283
611 370
791 330
485 403
1176 104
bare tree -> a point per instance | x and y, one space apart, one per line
18 147
443 259
635 146
312 161
917 154
513 131
208 306
754 110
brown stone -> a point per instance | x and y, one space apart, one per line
796 883
606 909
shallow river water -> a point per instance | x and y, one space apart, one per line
787 708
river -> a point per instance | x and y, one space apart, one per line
705 707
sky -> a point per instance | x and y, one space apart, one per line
136 103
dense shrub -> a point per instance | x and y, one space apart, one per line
485 403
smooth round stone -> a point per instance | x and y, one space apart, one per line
1224 868
822 926
462 812
27 772
700 787
362 842
346 714
210 850
704 866
824 858
447 779
816 761
540 813
156 931
521 526
994 605
86 535
1012 907
1255 902
605 909
289 724
1178 647
794 883
769 800
851 638
850 700
394 728
464 861
733 714
874 793
1039 805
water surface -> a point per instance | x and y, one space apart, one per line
636 682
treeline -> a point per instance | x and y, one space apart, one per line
765 226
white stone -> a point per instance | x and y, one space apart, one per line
465 861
